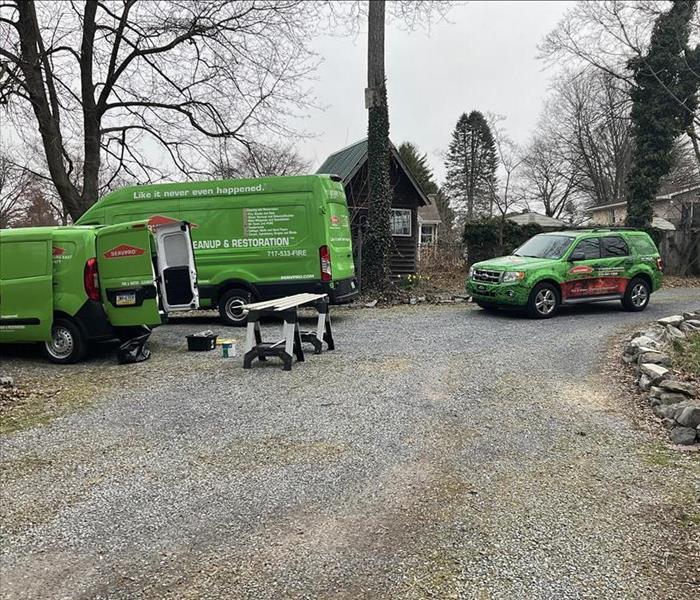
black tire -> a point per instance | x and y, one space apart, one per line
543 301
487 307
67 345
228 312
637 294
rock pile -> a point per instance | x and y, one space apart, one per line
675 402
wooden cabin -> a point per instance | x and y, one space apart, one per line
350 164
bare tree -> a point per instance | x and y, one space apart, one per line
259 160
549 176
14 186
504 196
107 81
606 34
510 158
589 117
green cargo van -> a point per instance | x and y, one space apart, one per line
254 239
67 286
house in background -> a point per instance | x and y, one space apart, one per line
429 222
677 215
529 217
350 164
674 205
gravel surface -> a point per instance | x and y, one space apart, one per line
439 452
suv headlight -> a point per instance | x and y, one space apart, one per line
513 276
471 273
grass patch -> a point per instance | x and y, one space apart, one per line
659 455
686 354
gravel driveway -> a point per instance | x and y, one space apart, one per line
439 452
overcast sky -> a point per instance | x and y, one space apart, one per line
484 58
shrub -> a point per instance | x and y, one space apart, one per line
482 237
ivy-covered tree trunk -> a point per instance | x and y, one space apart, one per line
377 243
664 100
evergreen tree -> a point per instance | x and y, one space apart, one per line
419 167
664 100
471 166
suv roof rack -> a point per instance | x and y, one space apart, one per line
594 229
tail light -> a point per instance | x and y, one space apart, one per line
91 279
325 257
660 264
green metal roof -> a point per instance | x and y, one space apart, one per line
347 162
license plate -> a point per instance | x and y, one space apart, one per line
126 299
352 285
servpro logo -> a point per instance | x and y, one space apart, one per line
124 251
581 270
56 251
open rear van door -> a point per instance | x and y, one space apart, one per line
127 275
26 286
177 274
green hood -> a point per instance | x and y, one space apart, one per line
513 263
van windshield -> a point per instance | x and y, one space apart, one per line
545 246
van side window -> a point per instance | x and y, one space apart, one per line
590 248
614 246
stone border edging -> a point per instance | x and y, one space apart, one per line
675 402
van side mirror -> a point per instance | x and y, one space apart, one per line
577 255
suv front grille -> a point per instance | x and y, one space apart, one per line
487 276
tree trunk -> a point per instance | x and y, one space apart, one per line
38 76
377 244
91 118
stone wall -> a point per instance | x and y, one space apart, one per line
672 400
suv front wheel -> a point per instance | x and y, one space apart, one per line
636 295
543 301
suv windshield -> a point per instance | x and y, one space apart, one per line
545 246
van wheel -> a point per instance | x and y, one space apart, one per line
636 295
543 301
230 305
67 344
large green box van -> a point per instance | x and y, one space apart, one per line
67 286
254 239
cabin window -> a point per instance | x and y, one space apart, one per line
428 235
401 222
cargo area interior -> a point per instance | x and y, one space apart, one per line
177 284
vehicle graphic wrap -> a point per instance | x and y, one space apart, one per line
509 280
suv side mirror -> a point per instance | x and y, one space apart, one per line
577 255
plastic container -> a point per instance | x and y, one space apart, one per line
201 343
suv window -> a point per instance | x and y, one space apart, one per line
614 246
643 245
590 248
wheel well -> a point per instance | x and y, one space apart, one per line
59 314
231 284
646 278
552 282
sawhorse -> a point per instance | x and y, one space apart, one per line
291 343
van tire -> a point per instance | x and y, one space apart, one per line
636 297
67 344
227 307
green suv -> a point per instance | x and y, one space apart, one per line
570 267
